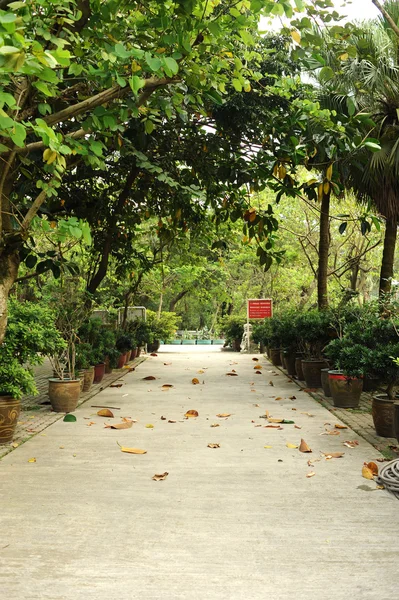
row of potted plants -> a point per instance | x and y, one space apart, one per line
344 352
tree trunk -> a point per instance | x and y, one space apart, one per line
388 257
324 247
175 300
9 264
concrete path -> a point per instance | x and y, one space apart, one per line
239 522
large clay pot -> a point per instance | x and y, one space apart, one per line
121 361
9 413
275 356
312 372
282 358
383 409
133 354
345 391
396 419
154 347
298 368
325 382
268 351
64 394
289 359
88 378
99 372
128 355
80 375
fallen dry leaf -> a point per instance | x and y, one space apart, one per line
338 426
160 477
232 374
373 467
32 460
308 414
291 445
255 359
171 421
332 432
304 447
298 426
91 423
309 390
215 425
150 426
351 444
257 405
153 354
271 383
125 425
117 385
132 450
195 381
163 418
223 415
149 378
273 427
201 371
213 445
105 412
292 397
311 474
258 372
329 455
167 385
257 366
275 420
15 445
167 364
191 413
367 473
278 398
268 446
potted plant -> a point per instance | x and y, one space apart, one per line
163 327
346 379
84 364
29 336
314 332
70 311
140 334
233 329
123 345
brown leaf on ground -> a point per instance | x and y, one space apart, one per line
153 354
304 447
267 414
309 390
213 445
257 366
195 381
32 460
311 474
171 421
125 425
351 444
160 476
105 412
367 473
163 418
117 385
338 426
292 397
278 398
331 432
224 415
167 385
273 427
167 364
133 450
215 425
191 414
373 467
258 372
201 371
91 423
149 378
271 383
329 455
308 414
232 374
257 405
253 391
255 359
274 420
298 426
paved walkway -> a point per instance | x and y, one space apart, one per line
238 522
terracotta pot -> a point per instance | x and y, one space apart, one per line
138 350
121 361
9 413
298 368
312 372
289 358
282 358
345 391
396 419
128 355
64 394
383 410
275 356
108 369
88 378
99 372
134 354
325 382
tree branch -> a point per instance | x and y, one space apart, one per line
33 210
387 16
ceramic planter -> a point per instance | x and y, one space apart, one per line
282 358
64 394
9 413
88 378
345 391
80 375
99 372
154 347
133 354
312 372
275 357
325 383
383 410
298 368
289 358
121 361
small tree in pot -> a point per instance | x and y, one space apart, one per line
233 329
163 328
349 360
314 331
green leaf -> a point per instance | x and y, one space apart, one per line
4 50
351 106
18 135
342 227
326 73
43 87
136 83
171 65
215 97
6 122
31 261
69 418
8 18
237 85
149 126
153 62
121 51
6 98
374 147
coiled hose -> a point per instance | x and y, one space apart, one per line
389 477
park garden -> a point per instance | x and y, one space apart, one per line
185 156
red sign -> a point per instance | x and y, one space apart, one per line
260 309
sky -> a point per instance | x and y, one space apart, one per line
357 9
